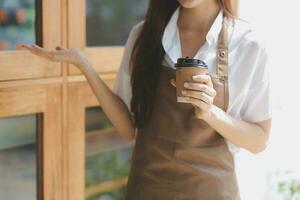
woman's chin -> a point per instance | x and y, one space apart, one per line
189 3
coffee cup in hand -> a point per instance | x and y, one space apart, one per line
186 68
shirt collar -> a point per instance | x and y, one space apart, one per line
170 38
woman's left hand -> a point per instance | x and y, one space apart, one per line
201 94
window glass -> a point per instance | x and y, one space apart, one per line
18 158
17 23
107 157
108 22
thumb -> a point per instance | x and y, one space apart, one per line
60 48
173 82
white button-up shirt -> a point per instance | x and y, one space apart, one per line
248 72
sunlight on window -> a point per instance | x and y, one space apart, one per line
275 173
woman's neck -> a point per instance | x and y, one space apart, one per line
200 18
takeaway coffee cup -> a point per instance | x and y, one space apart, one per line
185 69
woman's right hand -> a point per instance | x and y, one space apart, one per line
60 54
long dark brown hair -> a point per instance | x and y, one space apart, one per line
148 53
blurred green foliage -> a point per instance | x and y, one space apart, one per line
112 195
95 119
106 167
289 186
13 32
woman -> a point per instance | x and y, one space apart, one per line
185 151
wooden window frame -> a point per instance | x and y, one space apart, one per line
43 100
106 61
29 85
26 65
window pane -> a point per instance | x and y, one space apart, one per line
110 21
107 157
18 160
17 23
114 194
96 119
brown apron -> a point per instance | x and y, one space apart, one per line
178 156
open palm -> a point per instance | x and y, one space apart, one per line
60 54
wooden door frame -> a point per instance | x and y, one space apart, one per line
30 85
81 97
43 100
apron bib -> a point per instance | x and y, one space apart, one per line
178 156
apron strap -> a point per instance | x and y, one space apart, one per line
222 59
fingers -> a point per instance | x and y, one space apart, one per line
200 104
200 87
29 48
25 46
35 49
43 52
32 48
199 95
200 92
203 78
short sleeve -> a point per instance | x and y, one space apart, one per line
122 85
257 105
